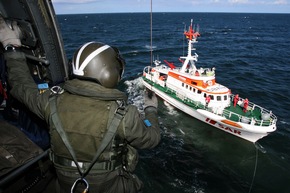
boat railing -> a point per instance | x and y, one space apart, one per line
205 72
269 119
147 69
248 120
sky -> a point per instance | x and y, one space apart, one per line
131 6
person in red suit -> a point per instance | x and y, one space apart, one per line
246 103
236 99
207 100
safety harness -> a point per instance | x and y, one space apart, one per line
111 131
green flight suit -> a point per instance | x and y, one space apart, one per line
85 108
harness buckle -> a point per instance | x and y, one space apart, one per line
121 109
80 180
56 90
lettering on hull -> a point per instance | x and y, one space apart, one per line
224 127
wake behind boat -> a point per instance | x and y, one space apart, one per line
195 92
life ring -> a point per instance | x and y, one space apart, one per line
209 83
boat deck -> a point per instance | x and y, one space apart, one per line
253 115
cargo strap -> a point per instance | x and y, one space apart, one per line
112 128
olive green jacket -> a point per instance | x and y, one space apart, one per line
85 108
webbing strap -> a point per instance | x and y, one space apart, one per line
111 131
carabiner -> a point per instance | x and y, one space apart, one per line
80 180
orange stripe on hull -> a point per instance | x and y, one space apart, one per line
228 122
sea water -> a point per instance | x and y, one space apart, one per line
251 55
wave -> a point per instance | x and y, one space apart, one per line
135 90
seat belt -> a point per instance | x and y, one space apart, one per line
111 131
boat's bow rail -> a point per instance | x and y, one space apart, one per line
255 115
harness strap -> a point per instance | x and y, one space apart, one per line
57 123
98 166
111 131
118 116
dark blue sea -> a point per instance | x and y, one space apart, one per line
251 53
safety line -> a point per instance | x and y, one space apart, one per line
255 169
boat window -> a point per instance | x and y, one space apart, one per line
225 97
199 91
219 98
190 88
211 97
186 86
182 84
193 90
204 95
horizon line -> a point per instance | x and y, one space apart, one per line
171 12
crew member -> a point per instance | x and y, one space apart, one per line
246 103
85 108
236 99
207 100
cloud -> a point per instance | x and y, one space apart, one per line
109 6
74 1
280 2
267 2
238 1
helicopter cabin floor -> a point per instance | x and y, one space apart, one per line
37 175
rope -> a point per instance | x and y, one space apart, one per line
151 44
255 169
151 41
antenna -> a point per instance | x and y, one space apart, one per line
197 28
183 39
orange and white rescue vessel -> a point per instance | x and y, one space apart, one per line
195 92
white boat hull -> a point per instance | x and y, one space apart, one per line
244 131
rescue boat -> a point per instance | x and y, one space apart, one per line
195 91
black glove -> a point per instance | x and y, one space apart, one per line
8 35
